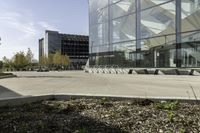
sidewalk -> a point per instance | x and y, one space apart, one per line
80 83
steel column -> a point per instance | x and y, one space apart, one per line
138 32
178 33
109 33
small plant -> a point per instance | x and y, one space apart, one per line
183 131
83 130
72 98
171 116
58 105
105 102
167 105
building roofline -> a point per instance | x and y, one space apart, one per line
46 31
74 35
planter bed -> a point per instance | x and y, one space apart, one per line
101 116
6 75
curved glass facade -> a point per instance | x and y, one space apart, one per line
145 33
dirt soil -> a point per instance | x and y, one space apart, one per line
101 116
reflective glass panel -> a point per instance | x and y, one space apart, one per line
122 8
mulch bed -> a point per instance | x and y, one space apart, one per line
100 116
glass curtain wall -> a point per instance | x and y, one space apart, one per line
112 24
122 33
99 25
121 28
190 15
157 22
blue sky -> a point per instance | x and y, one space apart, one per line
23 22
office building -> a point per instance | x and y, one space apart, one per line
41 48
74 46
144 33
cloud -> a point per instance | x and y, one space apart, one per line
24 22
47 26
18 22
20 30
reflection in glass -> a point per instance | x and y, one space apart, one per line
113 33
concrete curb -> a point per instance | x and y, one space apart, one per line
8 76
24 100
32 99
135 98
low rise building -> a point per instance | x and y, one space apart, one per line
74 46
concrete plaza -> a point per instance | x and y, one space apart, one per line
80 83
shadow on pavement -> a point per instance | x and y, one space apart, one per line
7 93
45 77
42 118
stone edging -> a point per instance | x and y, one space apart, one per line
8 76
31 99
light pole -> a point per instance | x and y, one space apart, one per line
92 42
92 46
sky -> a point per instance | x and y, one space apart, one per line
23 22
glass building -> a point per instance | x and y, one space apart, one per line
144 33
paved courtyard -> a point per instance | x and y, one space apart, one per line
80 83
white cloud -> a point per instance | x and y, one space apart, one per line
18 22
47 26
20 31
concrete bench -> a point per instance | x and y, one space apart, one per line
195 72
170 71
142 71
184 72
152 71
158 72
